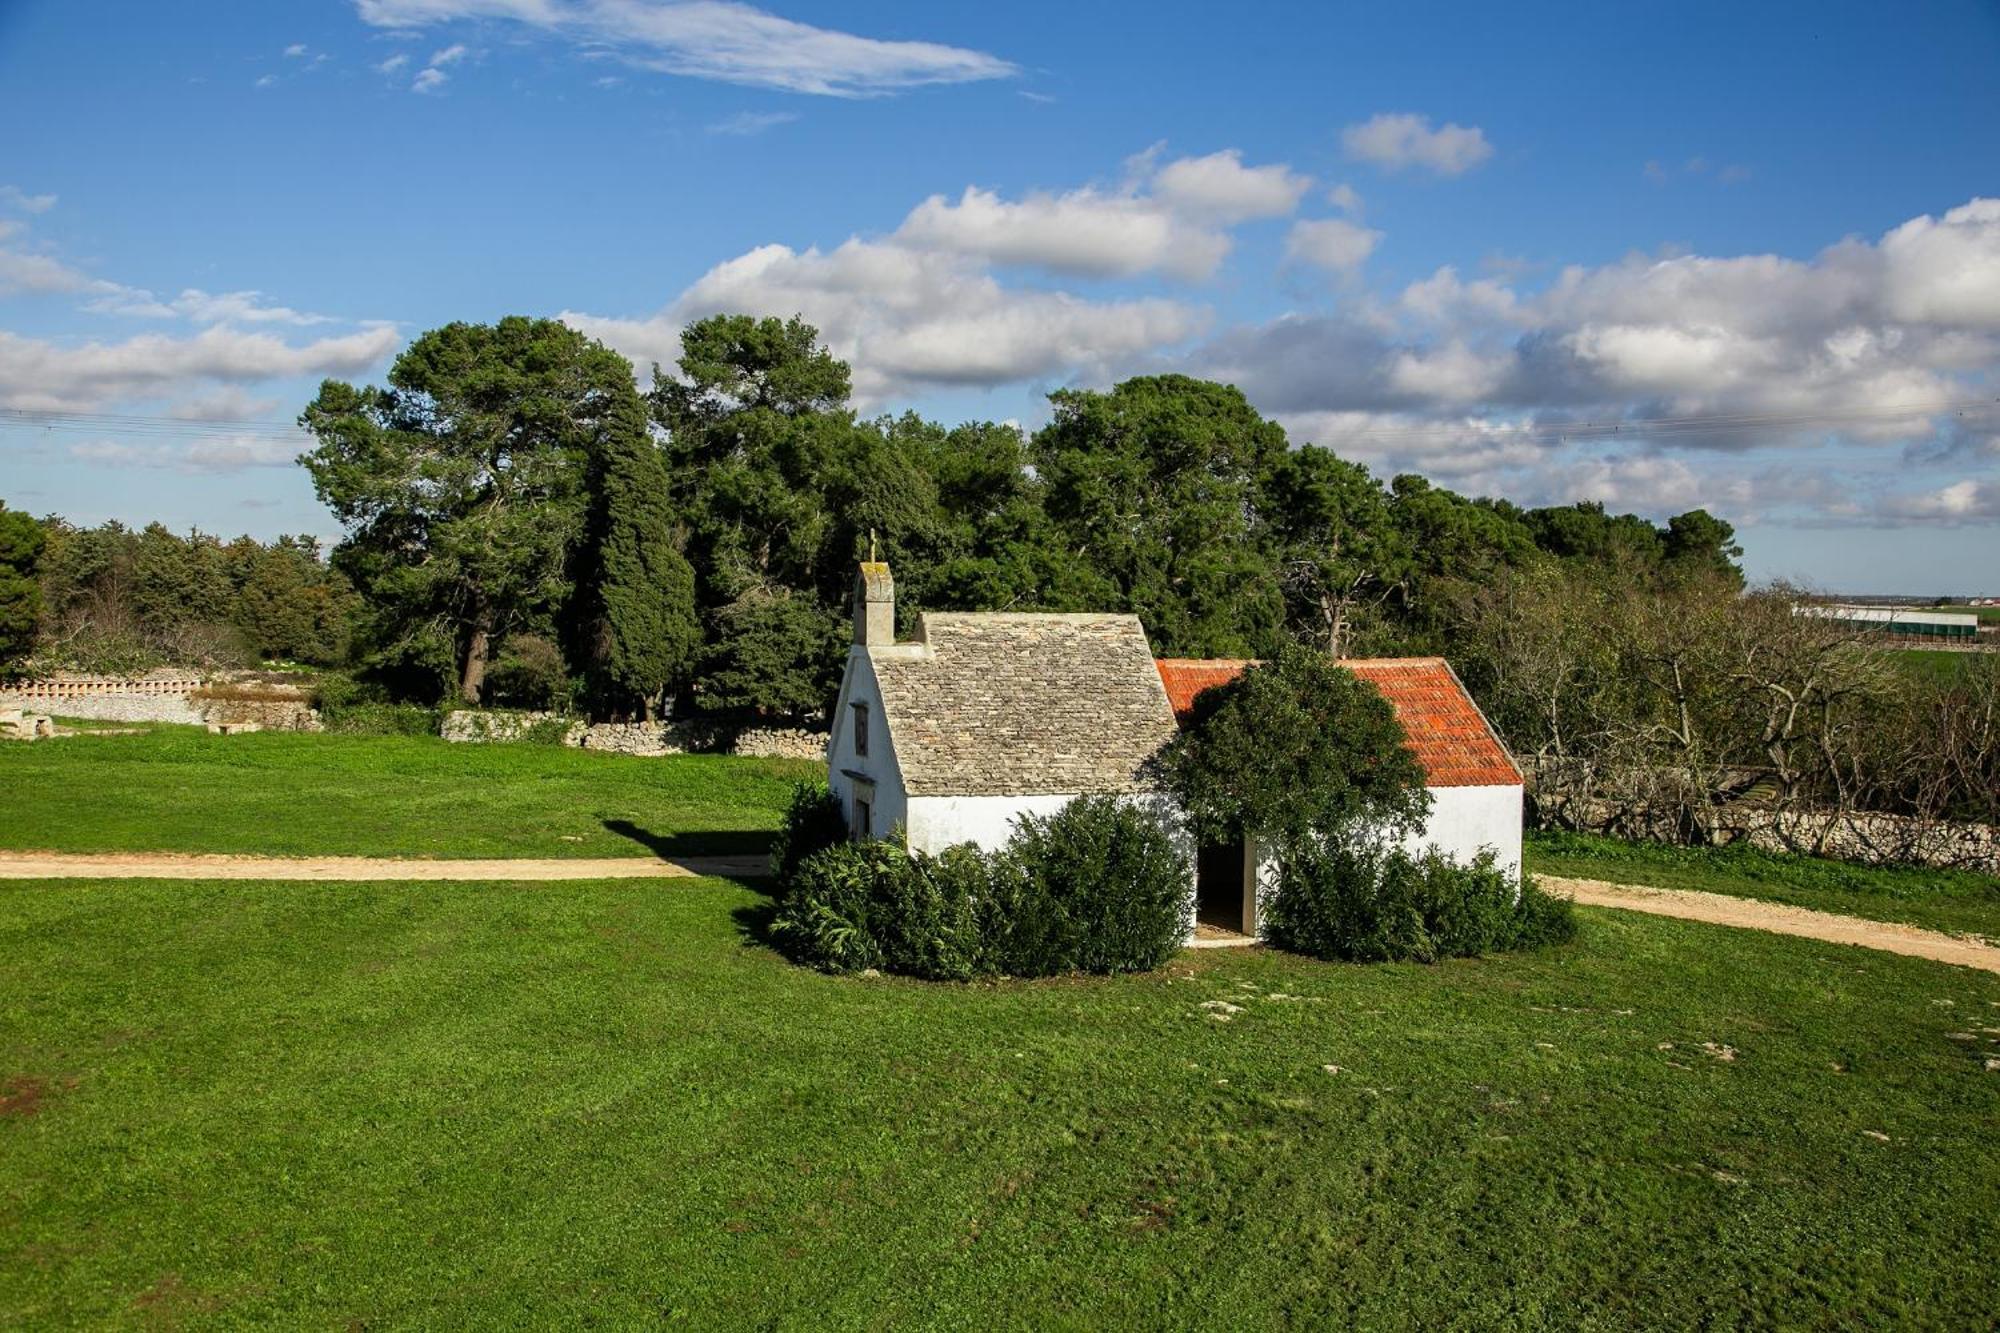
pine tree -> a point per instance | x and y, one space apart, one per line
20 597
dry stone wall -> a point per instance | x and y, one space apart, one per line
649 740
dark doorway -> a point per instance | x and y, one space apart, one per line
1218 891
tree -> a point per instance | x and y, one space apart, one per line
778 486
21 541
1153 490
1337 547
641 631
462 485
1294 748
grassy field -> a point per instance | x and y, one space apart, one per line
279 794
450 1105
1937 663
1940 899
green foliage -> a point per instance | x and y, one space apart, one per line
1099 887
640 629
463 484
772 654
1293 748
21 541
1360 900
529 673
1153 486
813 822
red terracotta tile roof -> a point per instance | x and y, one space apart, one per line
1447 731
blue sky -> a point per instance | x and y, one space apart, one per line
1744 256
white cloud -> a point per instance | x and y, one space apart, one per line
1334 244
221 452
266 81
14 197
1220 188
1883 354
716 39
40 375
1171 218
908 319
428 81
1345 198
393 63
450 55
1968 501
1398 140
201 307
36 274
295 50
1087 232
746 123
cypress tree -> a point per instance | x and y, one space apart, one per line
642 633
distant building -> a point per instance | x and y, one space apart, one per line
1900 622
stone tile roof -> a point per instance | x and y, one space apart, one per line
1448 733
1017 704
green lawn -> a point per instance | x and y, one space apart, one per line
270 793
456 1105
1947 900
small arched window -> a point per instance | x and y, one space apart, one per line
861 729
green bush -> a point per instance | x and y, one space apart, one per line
813 823
1361 901
1097 887
376 719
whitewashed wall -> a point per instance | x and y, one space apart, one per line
1466 819
891 806
938 822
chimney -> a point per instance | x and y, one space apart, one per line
874 605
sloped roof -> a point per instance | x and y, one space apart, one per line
1449 735
1014 704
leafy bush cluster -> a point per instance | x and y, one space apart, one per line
1098 887
1364 901
349 708
813 823
1310 760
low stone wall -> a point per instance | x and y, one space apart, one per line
1878 839
650 740
479 725
164 697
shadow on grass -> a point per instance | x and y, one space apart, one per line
754 921
712 842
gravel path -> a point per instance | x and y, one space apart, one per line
170 865
1779 918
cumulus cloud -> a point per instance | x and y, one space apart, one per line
1220 188
1170 218
910 319
1334 244
43 375
715 39
1882 351
393 63
1400 139
1968 501
1088 232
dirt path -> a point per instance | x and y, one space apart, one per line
1779 918
172 865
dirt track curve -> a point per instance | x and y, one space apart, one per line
1780 919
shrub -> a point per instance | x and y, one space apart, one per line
813 823
1362 901
528 673
1097 887
854 906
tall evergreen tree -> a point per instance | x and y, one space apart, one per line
640 630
